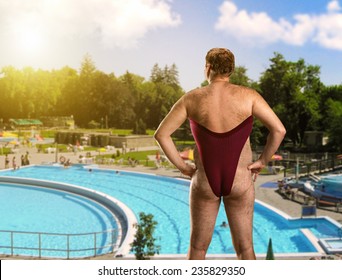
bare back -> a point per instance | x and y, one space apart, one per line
220 106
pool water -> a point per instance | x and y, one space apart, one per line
35 209
335 244
167 200
333 185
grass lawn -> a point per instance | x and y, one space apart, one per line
5 151
141 157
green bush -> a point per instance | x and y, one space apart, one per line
144 245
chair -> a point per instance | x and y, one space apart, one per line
309 210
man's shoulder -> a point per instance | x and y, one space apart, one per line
245 90
195 92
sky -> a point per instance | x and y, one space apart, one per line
133 35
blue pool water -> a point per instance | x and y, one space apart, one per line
45 210
333 184
167 200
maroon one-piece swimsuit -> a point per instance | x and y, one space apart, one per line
220 153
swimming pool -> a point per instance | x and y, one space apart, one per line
333 184
167 199
62 223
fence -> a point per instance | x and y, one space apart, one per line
58 245
304 169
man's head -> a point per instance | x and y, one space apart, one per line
221 62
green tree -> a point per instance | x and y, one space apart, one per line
144 245
239 77
270 254
10 85
171 77
332 93
140 127
157 75
133 83
293 90
119 104
86 95
167 76
66 104
166 92
334 129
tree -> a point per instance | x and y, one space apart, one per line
140 127
293 90
171 77
67 101
87 67
157 75
270 254
239 77
332 93
143 245
334 129
86 94
167 76
166 92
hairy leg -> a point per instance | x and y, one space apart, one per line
204 206
239 208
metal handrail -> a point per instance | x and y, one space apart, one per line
113 245
305 169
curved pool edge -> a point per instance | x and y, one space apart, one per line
125 249
306 232
126 217
288 217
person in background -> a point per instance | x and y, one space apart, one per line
6 162
14 163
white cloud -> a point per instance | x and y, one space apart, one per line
119 23
329 31
324 29
333 6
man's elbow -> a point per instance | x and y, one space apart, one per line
161 135
157 136
282 131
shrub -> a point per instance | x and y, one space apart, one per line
144 245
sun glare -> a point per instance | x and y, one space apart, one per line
30 41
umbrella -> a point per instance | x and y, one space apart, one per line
277 157
187 154
14 142
9 134
101 150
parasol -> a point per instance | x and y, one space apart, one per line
187 154
277 157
